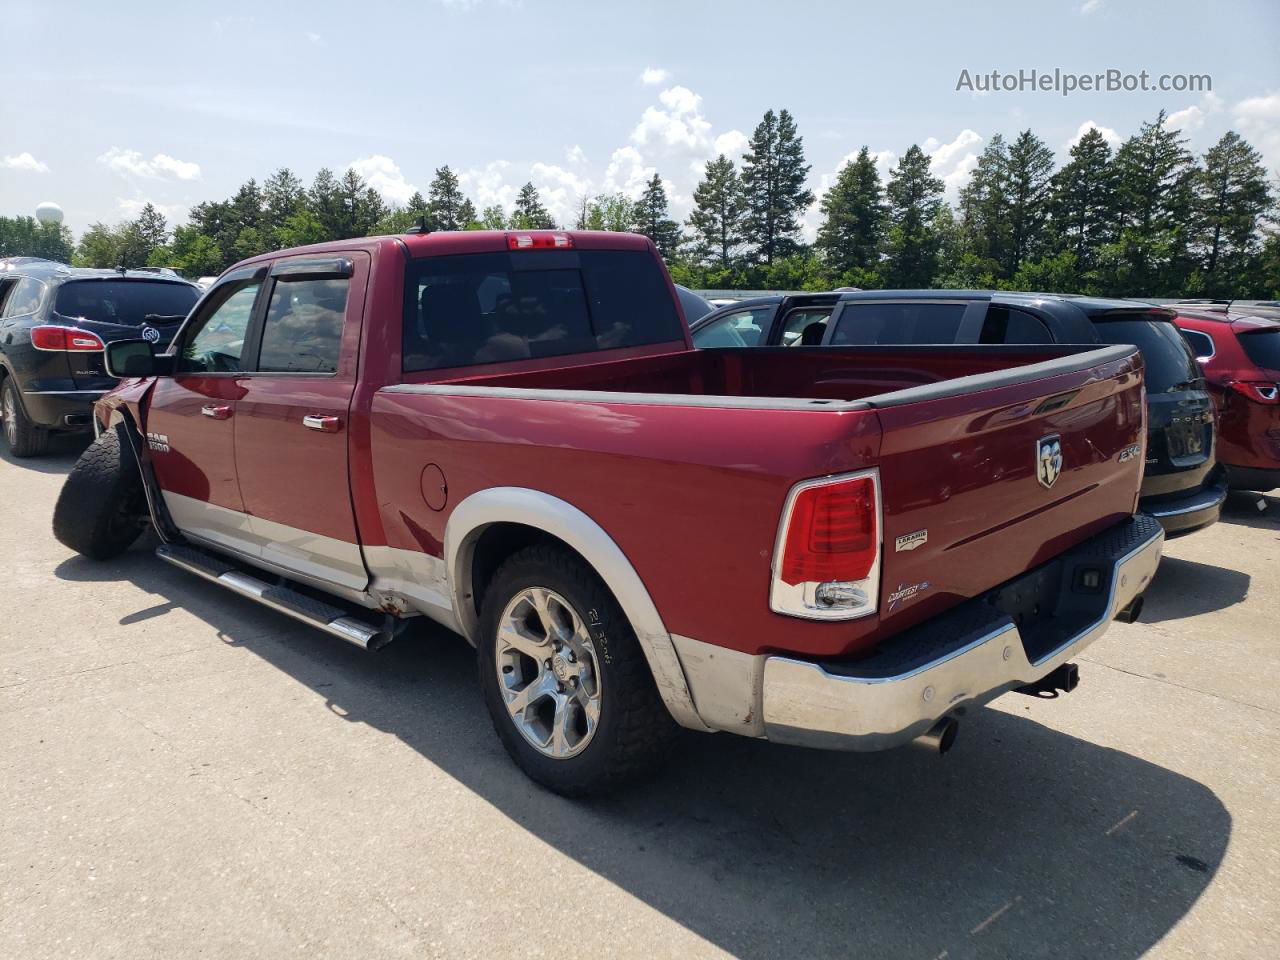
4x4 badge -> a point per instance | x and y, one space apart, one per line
1048 460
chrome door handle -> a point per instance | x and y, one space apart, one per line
218 411
323 424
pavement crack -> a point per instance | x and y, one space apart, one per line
1183 686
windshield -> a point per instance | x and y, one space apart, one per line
1263 348
124 302
1170 365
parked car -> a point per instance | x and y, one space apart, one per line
510 434
692 304
1183 487
1240 356
1266 309
54 321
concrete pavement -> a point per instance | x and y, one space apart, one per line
184 773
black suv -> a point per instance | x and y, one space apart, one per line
1183 487
54 322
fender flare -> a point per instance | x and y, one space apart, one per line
121 417
560 519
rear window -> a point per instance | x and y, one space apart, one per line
1008 325
490 307
125 302
863 324
1168 359
1263 348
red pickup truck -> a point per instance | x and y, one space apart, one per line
511 434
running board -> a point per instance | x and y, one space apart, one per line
330 619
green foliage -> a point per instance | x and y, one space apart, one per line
915 197
607 211
1231 197
1082 205
529 213
717 218
853 218
773 185
447 208
27 237
652 220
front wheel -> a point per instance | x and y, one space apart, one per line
564 678
102 507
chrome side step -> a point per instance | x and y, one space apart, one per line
327 617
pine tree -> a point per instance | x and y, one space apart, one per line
493 218
1232 195
1154 177
1082 206
1029 170
984 208
608 211
915 197
529 213
445 206
653 220
852 228
326 205
467 215
773 184
716 220
282 196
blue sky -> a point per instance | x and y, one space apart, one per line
110 106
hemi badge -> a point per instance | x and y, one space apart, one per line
909 541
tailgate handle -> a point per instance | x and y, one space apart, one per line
323 424
218 411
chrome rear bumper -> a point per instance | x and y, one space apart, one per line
966 657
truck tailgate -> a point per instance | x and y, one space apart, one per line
968 502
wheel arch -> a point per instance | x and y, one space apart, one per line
490 525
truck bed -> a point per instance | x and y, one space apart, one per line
693 453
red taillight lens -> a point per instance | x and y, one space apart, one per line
832 534
71 339
1257 391
539 241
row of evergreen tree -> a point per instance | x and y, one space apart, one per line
1147 219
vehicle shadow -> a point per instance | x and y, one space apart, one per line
63 452
1242 508
1186 588
1023 841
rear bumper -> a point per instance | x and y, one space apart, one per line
1253 478
61 409
966 657
1192 510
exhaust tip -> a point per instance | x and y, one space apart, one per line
938 738
1132 612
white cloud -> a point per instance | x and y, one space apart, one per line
314 37
160 167
384 175
172 212
1091 6
488 185
627 172
576 156
653 76
1193 117
1259 121
561 190
24 161
732 144
953 161
1113 139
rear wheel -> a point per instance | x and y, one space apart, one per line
564 678
102 507
24 438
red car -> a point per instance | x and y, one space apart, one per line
1240 356
511 434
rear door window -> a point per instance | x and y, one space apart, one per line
24 299
1011 325
302 332
492 307
1263 348
864 324
127 303
805 326
741 328
1201 344
1169 363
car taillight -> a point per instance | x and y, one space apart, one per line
1257 391
70 339
539 241
826 563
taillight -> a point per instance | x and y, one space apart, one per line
69 339
826 563
1258 392
539 241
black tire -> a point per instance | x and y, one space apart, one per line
634 727
24 438
102 507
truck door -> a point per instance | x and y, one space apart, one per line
292 423
191 416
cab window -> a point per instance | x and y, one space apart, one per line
302 332
216 342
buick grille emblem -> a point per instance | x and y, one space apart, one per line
150 334
1049 460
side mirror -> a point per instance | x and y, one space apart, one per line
135 358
